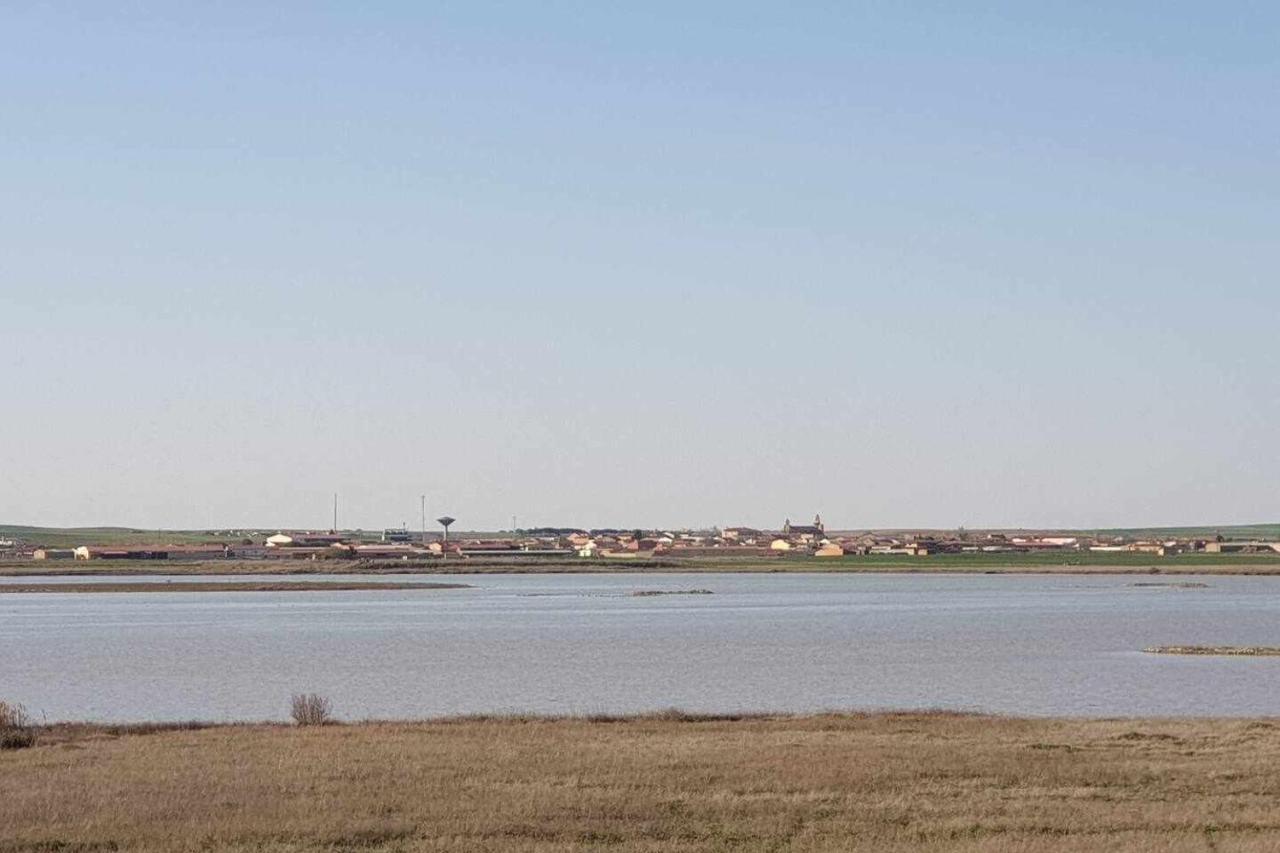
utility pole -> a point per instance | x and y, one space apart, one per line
424 521
335 512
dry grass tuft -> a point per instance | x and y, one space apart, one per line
17 731
311 709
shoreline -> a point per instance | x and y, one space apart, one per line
663 716
851 566
221 586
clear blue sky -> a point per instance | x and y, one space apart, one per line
905 264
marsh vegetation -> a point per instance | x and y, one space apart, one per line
17 729
664 782
1226 651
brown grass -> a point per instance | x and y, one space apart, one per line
668 782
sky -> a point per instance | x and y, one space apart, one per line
906 264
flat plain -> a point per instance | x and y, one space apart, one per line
667 782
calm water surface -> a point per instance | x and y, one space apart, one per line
582 643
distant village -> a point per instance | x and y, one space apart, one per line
789 540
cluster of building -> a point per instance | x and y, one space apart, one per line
611 543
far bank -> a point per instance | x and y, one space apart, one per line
1041 563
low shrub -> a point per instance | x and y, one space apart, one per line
311 709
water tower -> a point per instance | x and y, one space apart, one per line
445 521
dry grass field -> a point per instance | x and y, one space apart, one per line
894 782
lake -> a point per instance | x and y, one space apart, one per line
1020 644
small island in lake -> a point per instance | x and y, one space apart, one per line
1233 651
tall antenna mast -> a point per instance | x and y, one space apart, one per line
424 520
335 512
